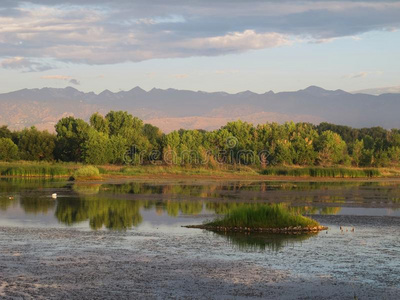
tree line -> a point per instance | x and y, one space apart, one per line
120 138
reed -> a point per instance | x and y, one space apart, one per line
34 170
322 172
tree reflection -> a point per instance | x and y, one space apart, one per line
115 214
36 205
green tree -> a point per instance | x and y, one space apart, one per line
96 148
130 128
394 155
8 150
154 135
331 148
5 132
118 147
71 134
357 154
99 123
302 139
124 124
36 145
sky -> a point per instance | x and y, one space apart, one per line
231 46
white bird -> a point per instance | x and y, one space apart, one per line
54 196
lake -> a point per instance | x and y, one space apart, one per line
124 239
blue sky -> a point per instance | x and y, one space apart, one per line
199 45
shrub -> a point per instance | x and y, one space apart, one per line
86 173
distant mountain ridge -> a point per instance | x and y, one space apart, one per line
172 109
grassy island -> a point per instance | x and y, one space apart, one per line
274 218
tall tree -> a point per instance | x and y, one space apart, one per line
36 145
331 148
99 123
8 150
96 148
71 134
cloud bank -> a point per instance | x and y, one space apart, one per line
107 32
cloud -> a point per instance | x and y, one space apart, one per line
74 81
229 71
240 41
57 77
181 76
363 74
62 77
24 64
380 90
106 32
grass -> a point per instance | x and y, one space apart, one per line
62 169
183 170
86 173
24 169
335 172
264 216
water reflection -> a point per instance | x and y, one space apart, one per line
109 213
261 241
121 206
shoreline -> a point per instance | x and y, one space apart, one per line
214 177
285 230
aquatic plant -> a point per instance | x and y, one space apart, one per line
34 170
322 172
263 216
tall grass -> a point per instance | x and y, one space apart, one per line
322 172
264 216
182 170
34 170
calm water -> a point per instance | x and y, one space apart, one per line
143 220
136 205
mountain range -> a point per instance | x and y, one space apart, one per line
172 109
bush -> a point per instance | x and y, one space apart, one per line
86 172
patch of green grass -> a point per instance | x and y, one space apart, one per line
322 172
264 216
87 172
34 170
183 170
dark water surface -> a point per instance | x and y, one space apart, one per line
142 221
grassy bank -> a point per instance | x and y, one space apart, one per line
35 169
45 169
263 216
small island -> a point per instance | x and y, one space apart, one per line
274 218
